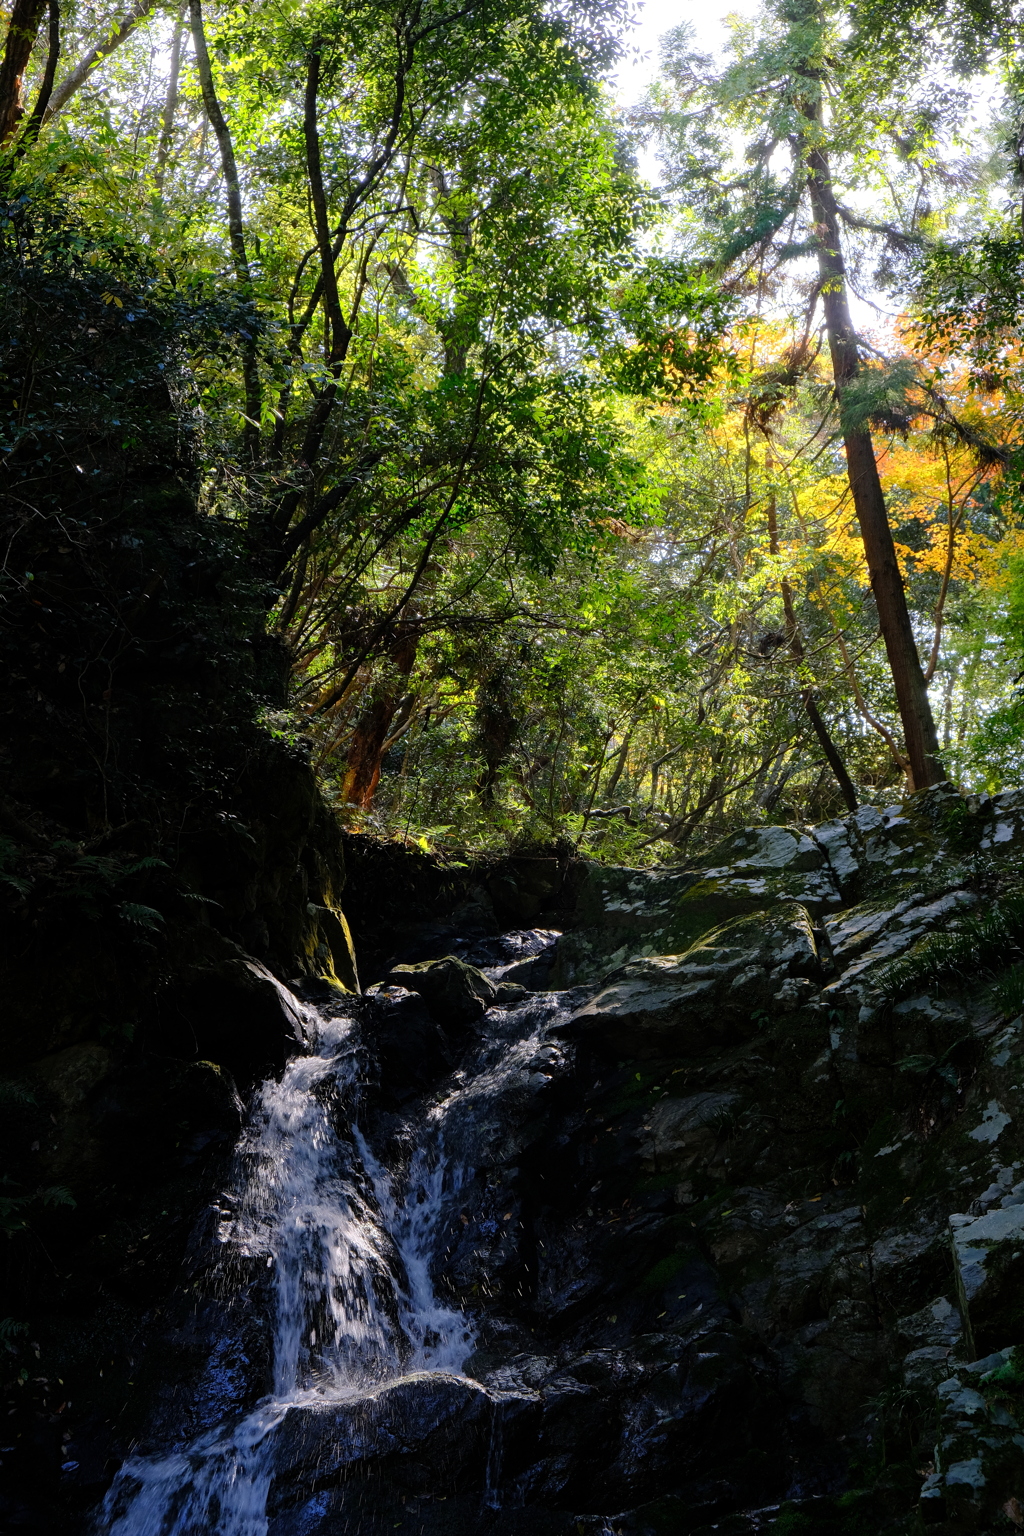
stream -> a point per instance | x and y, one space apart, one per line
351 1238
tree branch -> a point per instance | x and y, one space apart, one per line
78 76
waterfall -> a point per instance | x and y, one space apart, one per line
354 1306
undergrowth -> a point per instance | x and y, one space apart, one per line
988 941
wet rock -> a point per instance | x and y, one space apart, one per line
456 993
1000 821
908 1261
315 1442
933 1338
865 939
937 1324
522 888
711 991
131 1120
625 914
978 1481
338 964
697 1211
508 993
428 1432
988 1254
411 1049
501 954
683 1130
637 1016
231 1010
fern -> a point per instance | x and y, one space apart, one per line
56 1194
142 917
150 861
13 1208
15 1093
977 942
1010 991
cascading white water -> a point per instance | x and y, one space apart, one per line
354 1303
302 1206
351 1248
440 1339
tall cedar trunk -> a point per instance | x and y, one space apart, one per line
865 485
366 749
796 648
21 35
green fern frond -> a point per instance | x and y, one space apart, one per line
983 941
142 917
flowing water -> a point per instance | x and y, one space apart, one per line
350 1246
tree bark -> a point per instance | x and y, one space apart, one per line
34 121
366 749
81 72
170 105
236 228
338 333
865 485
21 36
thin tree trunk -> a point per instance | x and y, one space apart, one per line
34 121
21 36
865 486
620 762
953 521
170 104
338 334
236 228
81 72
796 648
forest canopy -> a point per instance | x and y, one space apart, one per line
607 472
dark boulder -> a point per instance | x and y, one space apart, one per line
456 993
232 1010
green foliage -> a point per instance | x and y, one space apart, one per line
941 1067
533 506
1005 1385
12 1093
1009 991
982 941
969 300
971 29
15 1209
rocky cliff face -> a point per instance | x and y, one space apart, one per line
166 862
707 1215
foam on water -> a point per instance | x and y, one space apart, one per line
354 1304
351 1247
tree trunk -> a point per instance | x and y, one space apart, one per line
865 485
21 36
170 105
497 726
236 231
34 121
366 749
